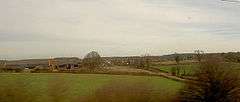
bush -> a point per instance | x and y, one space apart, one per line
216 82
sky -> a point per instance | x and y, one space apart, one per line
65 28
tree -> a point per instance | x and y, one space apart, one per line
199 54
143 61
138 62
177 58
146 59
215 82
92 60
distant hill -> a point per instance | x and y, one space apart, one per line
43 62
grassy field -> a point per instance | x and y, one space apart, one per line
80 84
189 69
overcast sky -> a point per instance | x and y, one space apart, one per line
43 28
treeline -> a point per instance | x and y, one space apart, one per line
93 60
215 81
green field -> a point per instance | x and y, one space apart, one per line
189 69
81 84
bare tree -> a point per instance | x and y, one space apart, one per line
177 58
92 60
138 62
199 54
146 59
142 61
215 82
178 68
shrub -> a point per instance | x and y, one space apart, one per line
216 82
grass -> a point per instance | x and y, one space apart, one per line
81 84
189 68
236 66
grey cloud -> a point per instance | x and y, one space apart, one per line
116 27
6 37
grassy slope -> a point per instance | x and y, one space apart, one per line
83 84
